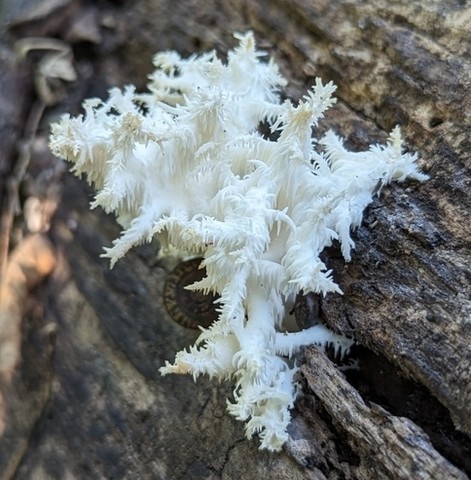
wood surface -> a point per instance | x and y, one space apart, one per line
82 396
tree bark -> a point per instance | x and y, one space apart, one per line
89 402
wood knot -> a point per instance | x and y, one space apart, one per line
191 309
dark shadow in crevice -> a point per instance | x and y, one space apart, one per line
379 381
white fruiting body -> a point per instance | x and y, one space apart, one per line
187 163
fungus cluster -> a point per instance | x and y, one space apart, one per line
187 162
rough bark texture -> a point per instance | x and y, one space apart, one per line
86 399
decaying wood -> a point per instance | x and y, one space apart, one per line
99 407
15 97
29 264
384 443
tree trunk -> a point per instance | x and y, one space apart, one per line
87 401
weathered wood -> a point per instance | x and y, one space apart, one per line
100 408
384 443
22 400
15 97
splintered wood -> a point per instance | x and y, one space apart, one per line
393 446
